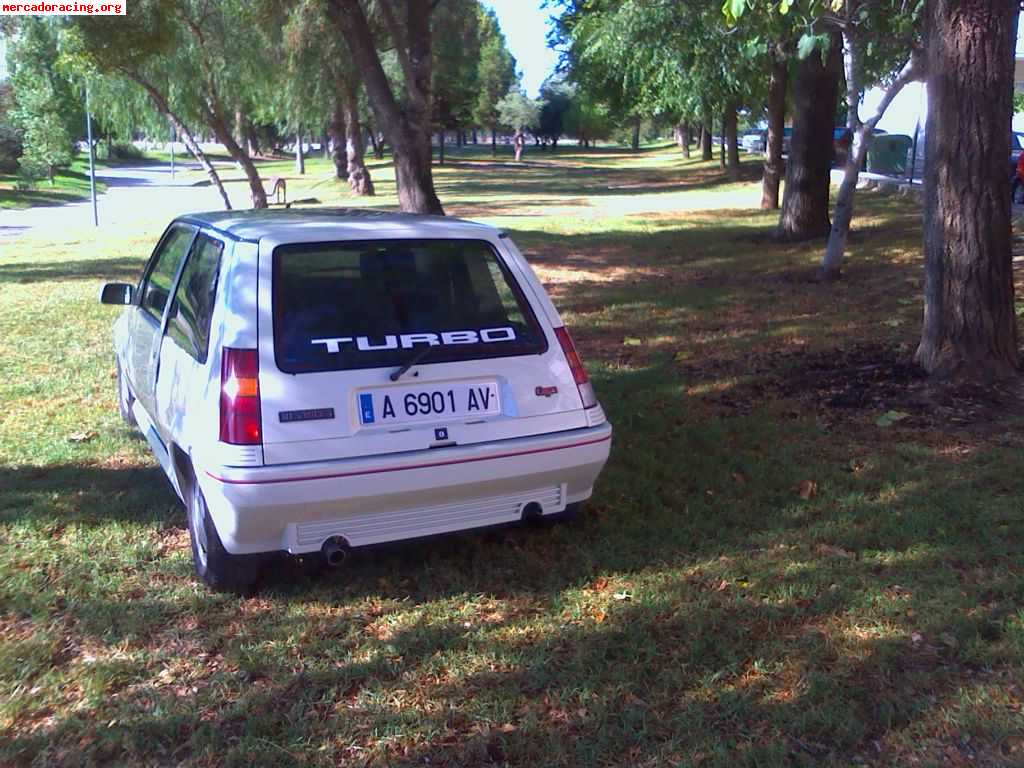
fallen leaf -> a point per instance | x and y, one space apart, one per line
889 418
828 549
623 596
599 617
82 437
632 341
507 728
807 489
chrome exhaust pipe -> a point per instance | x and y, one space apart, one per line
335 551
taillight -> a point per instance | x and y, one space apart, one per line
240 422
579 373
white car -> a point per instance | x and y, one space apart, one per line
312 381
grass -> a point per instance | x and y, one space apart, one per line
765 576
70 185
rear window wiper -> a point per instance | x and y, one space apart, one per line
417 358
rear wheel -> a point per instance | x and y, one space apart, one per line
215 566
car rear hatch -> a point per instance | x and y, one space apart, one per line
481 359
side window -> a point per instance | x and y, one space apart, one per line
189 323
157 288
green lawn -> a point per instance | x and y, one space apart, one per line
69 185
772 571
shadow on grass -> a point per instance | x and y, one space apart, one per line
124 269
541 180
690 617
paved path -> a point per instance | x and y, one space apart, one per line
133 193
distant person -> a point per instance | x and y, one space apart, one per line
518 143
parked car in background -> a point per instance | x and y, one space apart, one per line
311 381
753 141
841 138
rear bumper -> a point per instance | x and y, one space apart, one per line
296 507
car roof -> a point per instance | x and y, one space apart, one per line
319 224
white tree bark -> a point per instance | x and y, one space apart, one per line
861 134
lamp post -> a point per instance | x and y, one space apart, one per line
92 161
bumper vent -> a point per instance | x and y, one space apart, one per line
377 527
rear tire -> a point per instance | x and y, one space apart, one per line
214 565
124 398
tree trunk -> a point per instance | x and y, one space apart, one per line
337 132
474 137
804 212
325 142
300 154
458 138
721 146
186 136
970 329
494 141
686 139
440 147
358 174
731 141
407 125
635 143
378 146
706 151
777 85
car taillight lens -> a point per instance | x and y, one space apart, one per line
240 422
579 373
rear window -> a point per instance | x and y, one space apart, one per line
341 306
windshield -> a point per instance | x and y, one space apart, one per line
341 306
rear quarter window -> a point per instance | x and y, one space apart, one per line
368 304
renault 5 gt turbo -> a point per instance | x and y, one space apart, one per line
314 381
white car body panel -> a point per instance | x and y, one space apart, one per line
312 480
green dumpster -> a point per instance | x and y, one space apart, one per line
889 153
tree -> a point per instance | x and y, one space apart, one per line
213 34
496 73
661 59
149 49
859 24
587 120
328 88
456 44
970 328
520 113
556 97
406 120
778 84
43 100
804 213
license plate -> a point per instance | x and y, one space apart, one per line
428 402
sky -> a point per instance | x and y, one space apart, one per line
525 25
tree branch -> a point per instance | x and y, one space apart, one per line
398 35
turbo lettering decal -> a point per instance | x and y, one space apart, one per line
409 340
